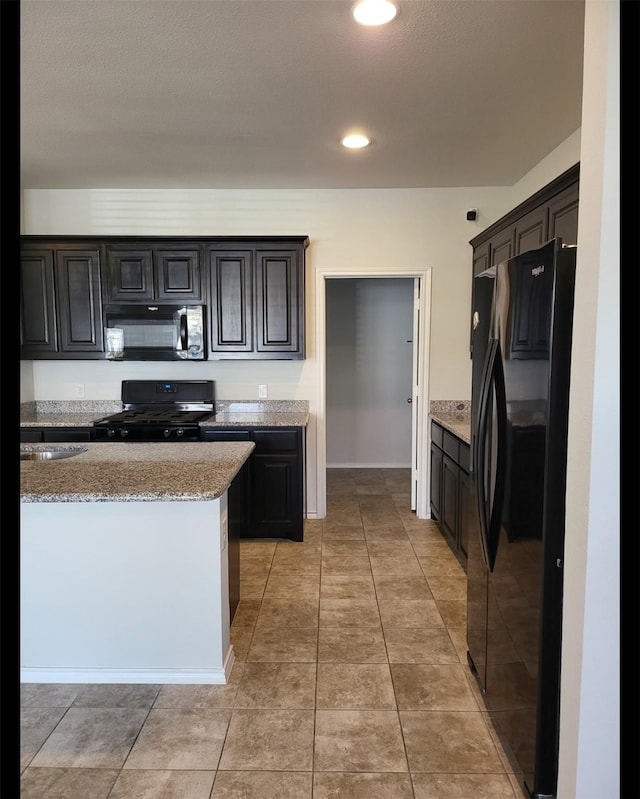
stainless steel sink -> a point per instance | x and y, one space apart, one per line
50 454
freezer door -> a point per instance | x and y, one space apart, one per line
476 561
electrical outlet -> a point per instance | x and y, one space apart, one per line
225 534
262 391
79 390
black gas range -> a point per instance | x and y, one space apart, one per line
159 410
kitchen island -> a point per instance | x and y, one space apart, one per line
124 563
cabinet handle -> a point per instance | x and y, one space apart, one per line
409 400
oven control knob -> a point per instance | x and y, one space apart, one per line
124 433
111 432
179 432
166 433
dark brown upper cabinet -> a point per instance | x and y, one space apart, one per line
552 212
257 299
145 272
60 301
253 288
279 301
231 286
501 247
531 230
563 216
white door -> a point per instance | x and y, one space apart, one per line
419 393
415 403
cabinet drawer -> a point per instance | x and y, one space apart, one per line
212 434
450 445
30 436
276 440
55 435
436 434
464 459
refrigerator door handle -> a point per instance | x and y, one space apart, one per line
479 454
495 524
493 382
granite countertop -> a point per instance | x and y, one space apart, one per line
454 416
65 414
229 413
257 419
132 472
457 423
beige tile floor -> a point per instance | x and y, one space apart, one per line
350 680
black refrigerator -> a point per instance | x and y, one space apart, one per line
521 354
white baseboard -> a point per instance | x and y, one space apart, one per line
368 465
131 676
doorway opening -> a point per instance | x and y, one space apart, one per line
382 318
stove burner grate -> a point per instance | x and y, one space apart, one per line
164 417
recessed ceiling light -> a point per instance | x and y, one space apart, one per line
374 12
355 141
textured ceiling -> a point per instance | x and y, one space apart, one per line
257 93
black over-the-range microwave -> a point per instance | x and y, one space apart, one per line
158 332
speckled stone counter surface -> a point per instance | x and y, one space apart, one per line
454 416
66 413
229 413
262 413
132 472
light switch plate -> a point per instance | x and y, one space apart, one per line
262 391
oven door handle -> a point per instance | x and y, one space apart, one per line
184 333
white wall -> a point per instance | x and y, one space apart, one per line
368 363
590 698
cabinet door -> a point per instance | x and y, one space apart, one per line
449 520
238 503
231 313
276 484
465 508
436 482
79 301
502 246
38 334
276 497
563 216
480 263
481 258
178 274
531 230
130 275
279 287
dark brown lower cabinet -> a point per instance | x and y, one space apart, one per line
436 481
451 489
274 484
238 525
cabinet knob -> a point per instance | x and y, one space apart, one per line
409 400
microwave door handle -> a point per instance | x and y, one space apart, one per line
184 338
